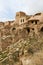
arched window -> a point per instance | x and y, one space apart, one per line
32 21
35 22
23 20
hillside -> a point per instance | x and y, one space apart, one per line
21 40
28 51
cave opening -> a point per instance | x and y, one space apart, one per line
28 29
14 29
41 29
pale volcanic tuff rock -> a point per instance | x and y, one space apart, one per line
23 26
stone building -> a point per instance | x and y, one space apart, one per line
36 22
21 27
21 18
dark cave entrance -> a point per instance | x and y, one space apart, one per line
28 29
41 29
13 29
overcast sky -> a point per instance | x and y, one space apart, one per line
8 8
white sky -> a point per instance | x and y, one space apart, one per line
8 8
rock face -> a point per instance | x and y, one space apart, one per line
22 27
26 51
36 59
